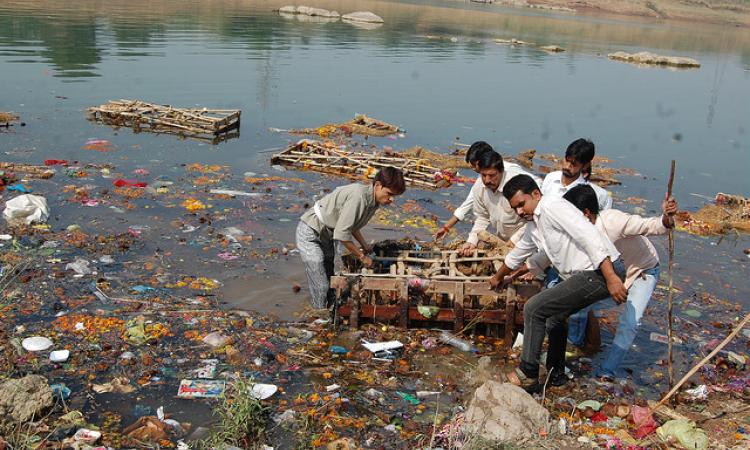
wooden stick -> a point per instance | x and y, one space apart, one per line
670 368
704 361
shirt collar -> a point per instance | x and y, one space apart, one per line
370 196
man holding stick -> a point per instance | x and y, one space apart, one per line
588 263
627 232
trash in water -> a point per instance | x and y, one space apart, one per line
200 388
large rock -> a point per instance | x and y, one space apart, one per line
363 16
22 400
308 11
316 12
504 412
652 58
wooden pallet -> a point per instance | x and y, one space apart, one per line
330 158
213 125
458 303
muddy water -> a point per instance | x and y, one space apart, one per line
432 68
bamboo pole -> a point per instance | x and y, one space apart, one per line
670 368
703 361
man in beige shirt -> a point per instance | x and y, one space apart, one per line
627 232
339 216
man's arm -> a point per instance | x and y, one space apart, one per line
366 248
614 284
366 260
524 248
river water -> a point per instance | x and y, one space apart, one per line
433 68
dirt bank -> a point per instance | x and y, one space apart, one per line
734 12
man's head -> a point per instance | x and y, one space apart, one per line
490 165
578 158
584 198
475 151
523 194
388 183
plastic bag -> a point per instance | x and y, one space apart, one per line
685 432
26 208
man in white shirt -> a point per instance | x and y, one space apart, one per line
627 232
490 206
576 165
472 156
587 261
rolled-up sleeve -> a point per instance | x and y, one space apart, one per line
465 208
524 248
350 212
538 263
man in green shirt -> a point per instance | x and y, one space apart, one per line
339 216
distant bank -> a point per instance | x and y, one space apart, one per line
728 12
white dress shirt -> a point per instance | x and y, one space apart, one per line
491 208
566 237
468 205
552 186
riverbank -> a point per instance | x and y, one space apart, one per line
730 12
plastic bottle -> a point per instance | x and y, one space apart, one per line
457 342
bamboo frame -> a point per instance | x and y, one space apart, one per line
314 155
28 170
201 123
361 124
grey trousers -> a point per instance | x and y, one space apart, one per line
552 307
318 256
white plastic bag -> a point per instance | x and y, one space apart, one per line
27 208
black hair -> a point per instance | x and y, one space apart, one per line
391 178
583 197
581 150
522 182
476 150
491 159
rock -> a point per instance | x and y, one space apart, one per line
552 48
483 372
363 16
505 413
22 400
310 11
654 59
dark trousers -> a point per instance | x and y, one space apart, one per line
549 310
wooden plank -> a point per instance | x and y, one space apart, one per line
458 307
510 314
479 288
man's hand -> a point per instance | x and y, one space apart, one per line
498 282
617 290
366 261
669 208
441 232
467 249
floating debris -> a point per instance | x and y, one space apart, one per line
361 124
728 213
649 58
201 123
326 157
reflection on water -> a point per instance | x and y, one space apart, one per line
433 68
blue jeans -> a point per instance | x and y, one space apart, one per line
630 319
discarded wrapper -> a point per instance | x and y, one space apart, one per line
200 388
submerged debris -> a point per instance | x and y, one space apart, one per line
361 124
